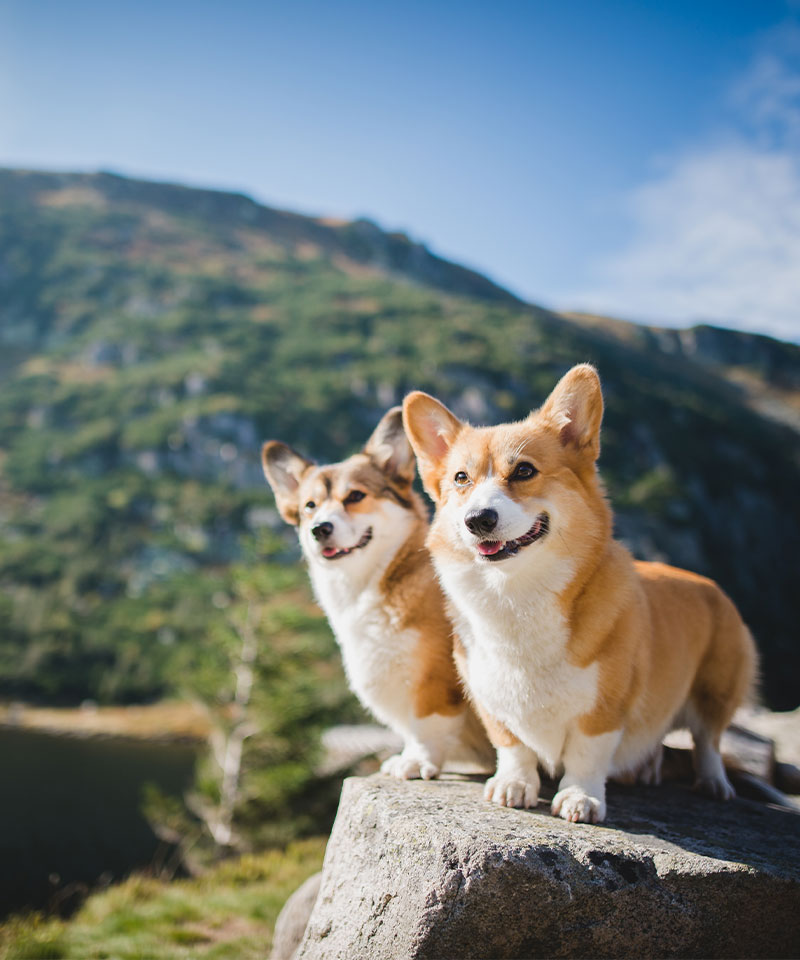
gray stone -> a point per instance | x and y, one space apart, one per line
743 751
429 870
293 919
782 728
346 745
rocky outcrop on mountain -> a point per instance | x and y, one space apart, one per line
775 361
763 371
396 253
428 869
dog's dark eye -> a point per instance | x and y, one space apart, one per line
354 496
461 478
524 471
310 505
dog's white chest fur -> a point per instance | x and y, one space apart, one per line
376 654
516 639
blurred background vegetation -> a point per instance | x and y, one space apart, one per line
152 336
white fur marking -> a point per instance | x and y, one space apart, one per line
509 619
516 783
513 520
581 793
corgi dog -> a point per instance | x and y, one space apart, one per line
362 531
578 658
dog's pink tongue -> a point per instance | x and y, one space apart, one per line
329 551
490 547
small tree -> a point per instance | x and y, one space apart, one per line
229 732
269 676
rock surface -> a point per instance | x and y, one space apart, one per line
429 870
293 919
782 728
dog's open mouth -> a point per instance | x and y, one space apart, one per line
498 550
333 553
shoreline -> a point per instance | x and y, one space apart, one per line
171 721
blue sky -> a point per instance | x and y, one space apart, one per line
637 158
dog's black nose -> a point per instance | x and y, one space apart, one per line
481 522
322 530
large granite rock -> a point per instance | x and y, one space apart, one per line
428 869
293 919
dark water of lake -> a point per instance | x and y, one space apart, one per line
69 812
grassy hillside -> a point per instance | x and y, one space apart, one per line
152 336
228 912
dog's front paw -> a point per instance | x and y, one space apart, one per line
574 804
510 791
406 766
717 787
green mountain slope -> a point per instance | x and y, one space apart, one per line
152 336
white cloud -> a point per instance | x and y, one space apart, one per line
768 95
716 236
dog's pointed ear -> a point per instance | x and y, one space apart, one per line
284 469
575 409
389 449
431 429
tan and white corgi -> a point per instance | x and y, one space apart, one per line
577 657
362 530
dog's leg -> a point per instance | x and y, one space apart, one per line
649 772
710 776
709 770
724 678
721 684
581 793
427 741
516 783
